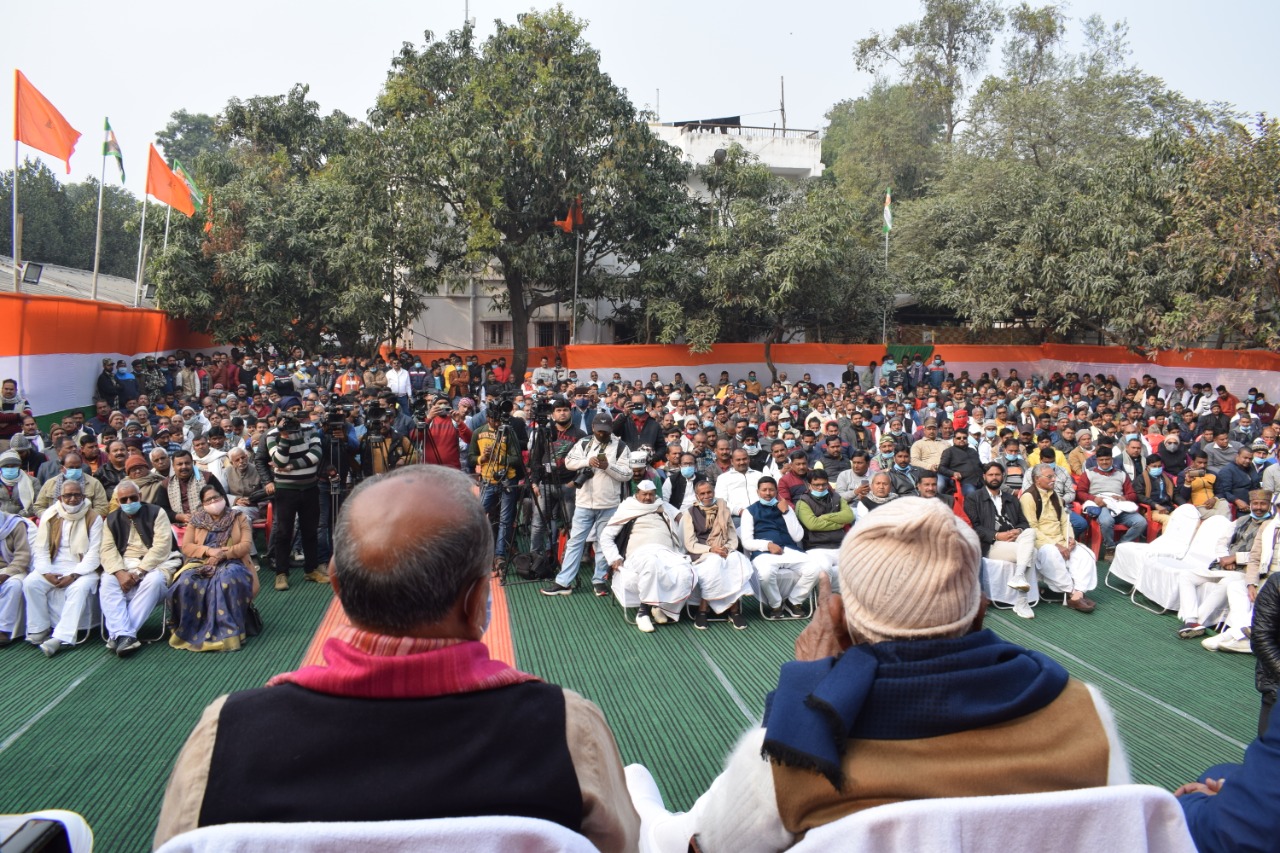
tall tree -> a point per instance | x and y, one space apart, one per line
938 54
189 135
506 134
765 259
887 138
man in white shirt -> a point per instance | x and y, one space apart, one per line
772 535
63 582
399 383
737 486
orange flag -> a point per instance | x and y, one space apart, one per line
573 218
167 186
37 123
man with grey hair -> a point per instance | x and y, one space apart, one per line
409 717
160 461
1064 564
850 725
139 554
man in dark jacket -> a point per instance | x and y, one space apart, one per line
635 428
961 460
1236 480
108 388
1003 531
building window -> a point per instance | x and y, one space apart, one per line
497 335
553 334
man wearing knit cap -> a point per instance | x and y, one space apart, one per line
898 694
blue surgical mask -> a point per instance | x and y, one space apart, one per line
688 471
1012 457
770 502
1155 470
10 475
777 398
991 433
898 467
707 423
789 442
131 508
75 474
933 404
819 494
637 410
752 449
542 389
784 425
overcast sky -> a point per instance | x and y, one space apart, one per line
138 61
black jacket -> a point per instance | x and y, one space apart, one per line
962 462
1265 639
986 522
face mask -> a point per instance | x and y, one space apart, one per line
1259 517
951 410
582 404
752 449
819 494
795 407
1249 397
707 502
770 502
542 389
1012 457
687 471
77 509
75 474
784 425
931 404
789 442
991 433
131 508
10 475
777 398
898 467
216 507
1156 470
707 423
637 410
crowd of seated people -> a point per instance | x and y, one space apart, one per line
688 493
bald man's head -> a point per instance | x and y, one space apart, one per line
407 545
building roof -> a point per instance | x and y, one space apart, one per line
67 281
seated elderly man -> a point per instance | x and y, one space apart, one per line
17 487
410 718
72 471
139 554
15 562
825 516
772 536
643 542
852 723
1224 582
64 570
880 492
245 490
149 483
724 573
1064 564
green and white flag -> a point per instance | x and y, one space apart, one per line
197 199
111 148
888 210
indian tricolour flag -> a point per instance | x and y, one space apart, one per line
111 148
888 210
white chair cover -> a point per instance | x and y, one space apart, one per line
995 582
1174 541
1158 580
495 834
1133 818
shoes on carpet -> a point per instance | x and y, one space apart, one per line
127 645
38 638
1239 645
1191 630
1212 643
700 620
600 589
51 647
659 618
1019 581
317 576
111 643
738 620
554 588
1083 604
1023 609
282 581
791 610
5 639
644 623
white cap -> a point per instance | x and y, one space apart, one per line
638 458
646 486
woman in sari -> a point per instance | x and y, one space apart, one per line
211 595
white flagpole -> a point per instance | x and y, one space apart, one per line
17 273
97 241
142 233
167 213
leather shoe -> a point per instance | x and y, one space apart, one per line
1083 604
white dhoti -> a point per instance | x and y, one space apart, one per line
10 603
1080 572
830 559
723 580
125 612
790 562
65 607
660 577
1229 590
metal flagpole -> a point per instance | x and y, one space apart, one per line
17 274
142 233
167 213
97 241
577 254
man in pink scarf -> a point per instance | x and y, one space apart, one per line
409 717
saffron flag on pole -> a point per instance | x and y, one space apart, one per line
888 210
197 200
573 218
111 148
166 186
37 123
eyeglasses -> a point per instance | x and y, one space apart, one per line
72 498
124 501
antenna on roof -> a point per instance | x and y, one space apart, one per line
782 103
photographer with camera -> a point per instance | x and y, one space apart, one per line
551 481
494 454
601 465
289 462
382 447
441 437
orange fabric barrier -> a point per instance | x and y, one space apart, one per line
48 325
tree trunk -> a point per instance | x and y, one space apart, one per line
769 341
519 327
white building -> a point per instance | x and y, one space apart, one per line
467 319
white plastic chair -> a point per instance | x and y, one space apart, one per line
493 834
1173 541
995 583
1158 579
1132 818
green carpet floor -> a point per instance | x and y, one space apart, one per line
678 699
89 732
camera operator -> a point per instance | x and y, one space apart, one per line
494 454
382 448
338 474
551 481
601 465
289 461
441 441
